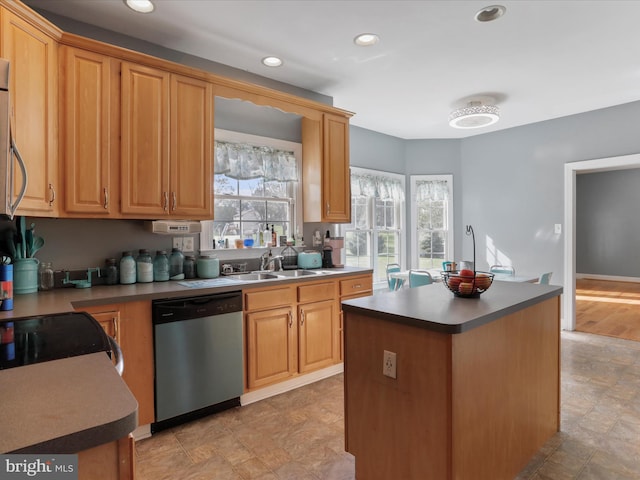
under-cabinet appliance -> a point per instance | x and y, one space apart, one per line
29 340
198 357
8 150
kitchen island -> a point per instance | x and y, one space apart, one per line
477 387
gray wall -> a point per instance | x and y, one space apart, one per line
513 182
608 223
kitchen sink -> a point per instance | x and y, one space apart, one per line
248 277
295 273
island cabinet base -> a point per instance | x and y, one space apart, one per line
475 405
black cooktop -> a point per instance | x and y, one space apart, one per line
28 340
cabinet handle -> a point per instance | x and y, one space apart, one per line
356 286
106 198
115 328
174 201
290 319
301 317
53 194
328 209
165 202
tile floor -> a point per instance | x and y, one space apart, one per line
299 435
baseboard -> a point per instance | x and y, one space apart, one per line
611 278
142 432
292 384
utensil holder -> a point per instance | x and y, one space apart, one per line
25 275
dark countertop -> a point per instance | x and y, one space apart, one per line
435 308
67 299
64 406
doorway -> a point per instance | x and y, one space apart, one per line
570 172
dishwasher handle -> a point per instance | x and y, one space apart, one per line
117 352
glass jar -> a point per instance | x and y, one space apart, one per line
176 264
110 271
289 257
189 267
127 269
144 266
161 266
45 276
208 266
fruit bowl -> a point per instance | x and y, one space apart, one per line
467 283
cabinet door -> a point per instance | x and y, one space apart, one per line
318 335
325 169
34 99
145 141
271 346
134 332
336 184
191 178
88 140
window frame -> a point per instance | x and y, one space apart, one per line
414 179
206 236
371 212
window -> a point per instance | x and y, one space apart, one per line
432 214
374 238
255 186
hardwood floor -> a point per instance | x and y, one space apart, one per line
608 308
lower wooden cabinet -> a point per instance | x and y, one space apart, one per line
290 331
110 461
353 287
130 324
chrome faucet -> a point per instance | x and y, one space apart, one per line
270 262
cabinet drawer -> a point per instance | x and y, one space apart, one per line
276 297
316 292
359 286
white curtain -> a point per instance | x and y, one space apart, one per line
432 190
242 161
378 186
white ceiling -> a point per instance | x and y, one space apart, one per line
541 60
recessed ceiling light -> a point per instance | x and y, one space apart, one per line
474 115
140 6
272 61
366 39
489 14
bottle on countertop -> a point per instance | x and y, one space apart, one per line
110 271
127 269
176 264
189 267
274 237
161 266
144 266
45 276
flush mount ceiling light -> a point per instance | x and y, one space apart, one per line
140 6
366 39
474 115
489 14
272 61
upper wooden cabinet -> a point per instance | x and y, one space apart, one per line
325 169
33 52
90 147
167 144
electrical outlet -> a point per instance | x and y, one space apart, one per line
389 364
187 244
178 242
557 228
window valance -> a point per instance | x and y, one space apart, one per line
432 190
243 162
379 186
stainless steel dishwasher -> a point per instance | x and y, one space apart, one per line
198 357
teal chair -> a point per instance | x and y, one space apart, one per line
394 283
506 269
418 278
544 278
